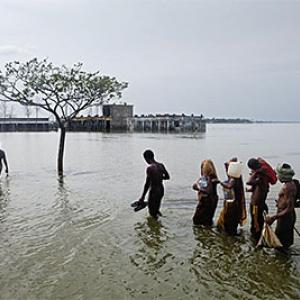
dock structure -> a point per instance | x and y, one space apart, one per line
89 123
122 118
26 124
116 117
167 123
119 117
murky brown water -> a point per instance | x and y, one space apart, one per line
80 239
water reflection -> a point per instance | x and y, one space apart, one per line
220 260
4 195
151 254
62 193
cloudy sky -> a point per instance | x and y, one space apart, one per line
220 58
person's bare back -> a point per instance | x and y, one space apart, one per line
155 174
3 158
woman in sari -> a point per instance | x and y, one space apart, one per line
206 187
234 210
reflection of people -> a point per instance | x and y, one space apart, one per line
259 184
156 173
206 186
234 211
3 158
285 215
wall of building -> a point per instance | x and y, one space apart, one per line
168 123
119 114
26 124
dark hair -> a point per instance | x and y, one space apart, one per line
253 164
148 154
286 166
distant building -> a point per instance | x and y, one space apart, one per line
89 123
116 117
167 123
119 114
119 117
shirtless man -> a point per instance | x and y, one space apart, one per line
258 182
285 215
156 173
3 158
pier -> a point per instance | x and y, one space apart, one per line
26 124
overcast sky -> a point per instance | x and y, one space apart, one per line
220 58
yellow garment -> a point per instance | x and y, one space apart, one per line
220 222
268 238
223 213
243 218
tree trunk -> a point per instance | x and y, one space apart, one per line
61 148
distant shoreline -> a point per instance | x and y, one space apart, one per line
244 121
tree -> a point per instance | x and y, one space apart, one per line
61 91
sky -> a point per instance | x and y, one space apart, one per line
217 58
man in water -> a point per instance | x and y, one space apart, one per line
3 158
259 188
156 173
285 215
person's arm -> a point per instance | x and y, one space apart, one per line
270 219
195 186
146 186
253 180
166 175
228 184
6 164
289 208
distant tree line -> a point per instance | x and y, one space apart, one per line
227 121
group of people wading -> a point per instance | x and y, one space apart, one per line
234 212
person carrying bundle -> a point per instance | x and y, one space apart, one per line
261 176
206 187
234 210
156 173
285 214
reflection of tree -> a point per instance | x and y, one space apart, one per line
151 254
62 193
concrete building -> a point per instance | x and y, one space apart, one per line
89 123
116 117
119 117
119 114
122 119
167 123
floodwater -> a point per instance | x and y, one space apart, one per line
79 238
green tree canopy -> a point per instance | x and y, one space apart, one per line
63 92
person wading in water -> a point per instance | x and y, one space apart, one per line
155 174
259 188
3 158
206 188
285 215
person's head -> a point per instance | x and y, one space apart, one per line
253 164
208 168
284 172
149 156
